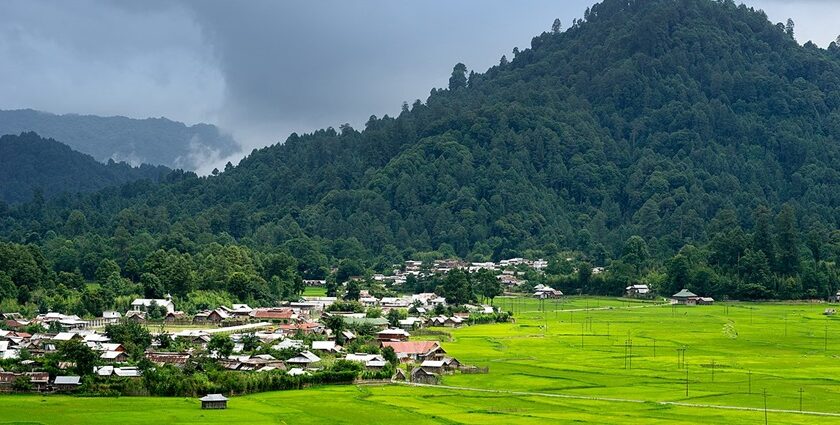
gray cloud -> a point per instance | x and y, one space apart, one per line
263 69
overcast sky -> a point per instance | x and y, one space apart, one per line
262 69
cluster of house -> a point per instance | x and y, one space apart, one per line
38 381
39 344
508 274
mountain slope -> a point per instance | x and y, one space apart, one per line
651 117
29 162
151 141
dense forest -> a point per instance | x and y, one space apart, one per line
31 165
156 141
679 143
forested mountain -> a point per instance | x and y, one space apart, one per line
678 142
30 164
157 141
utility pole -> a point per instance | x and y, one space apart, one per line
800 398
686 382
765 406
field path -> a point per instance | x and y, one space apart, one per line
631 307
626 400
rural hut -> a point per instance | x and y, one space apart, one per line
684 297
214 401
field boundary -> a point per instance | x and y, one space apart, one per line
626 400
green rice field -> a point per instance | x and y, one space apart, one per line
580 360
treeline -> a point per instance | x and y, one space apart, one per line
773 260
77 278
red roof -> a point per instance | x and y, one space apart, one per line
301 326
284 313
412 347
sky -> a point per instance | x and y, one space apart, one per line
265 68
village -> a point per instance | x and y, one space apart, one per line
390 338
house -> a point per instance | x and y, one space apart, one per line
136 316
450 322
399 375
420 375
40 381
16 324
143 304
705 301
114 356
67 383
371 361
111 314
834 298
393 334
544 292
637 291
394 302
306 328
305 358
215 316
163 358
66 336
326 346
376 322
369 301
214 401
684 297
411 323
451 363
416 350
175 316
296 371
348 335
288 343
435 366
239 310
275 315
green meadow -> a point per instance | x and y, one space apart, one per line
583 359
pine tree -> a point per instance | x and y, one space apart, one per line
788 240
459 77
556 27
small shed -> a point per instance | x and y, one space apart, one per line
420 375
214 401
399 375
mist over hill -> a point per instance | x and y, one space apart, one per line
157 141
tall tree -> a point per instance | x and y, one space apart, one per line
556 26
762 238
788 241
459 77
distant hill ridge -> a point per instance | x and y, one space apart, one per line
29 162
157 141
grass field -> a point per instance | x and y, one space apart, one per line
558 363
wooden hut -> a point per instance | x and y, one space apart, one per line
214 401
